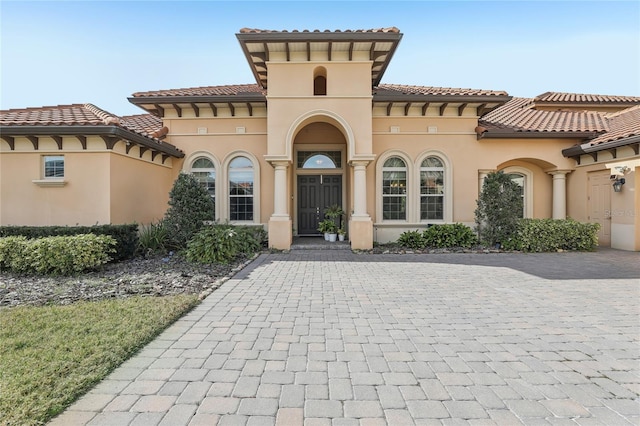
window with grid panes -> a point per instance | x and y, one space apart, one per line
394 189
432 189
205 172
241 180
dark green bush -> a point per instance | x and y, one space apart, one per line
449 235
543 235
412 239
126 236
58 255
223 243
499 209
190 207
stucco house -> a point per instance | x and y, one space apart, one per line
318 127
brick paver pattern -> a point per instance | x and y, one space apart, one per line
336 338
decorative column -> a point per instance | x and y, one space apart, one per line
482 175
280 232
559 206
360 188
360 225
280 189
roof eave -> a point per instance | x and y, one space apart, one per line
244 98
514 134
411 97
587 148
97 130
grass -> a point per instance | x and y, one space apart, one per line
51 355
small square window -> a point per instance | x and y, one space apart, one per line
53 166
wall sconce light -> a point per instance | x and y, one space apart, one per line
617 184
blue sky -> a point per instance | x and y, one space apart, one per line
62 52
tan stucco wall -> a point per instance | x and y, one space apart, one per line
139 190
83 200
100 186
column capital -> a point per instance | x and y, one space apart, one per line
279 163
559 172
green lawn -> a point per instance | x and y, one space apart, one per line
49 356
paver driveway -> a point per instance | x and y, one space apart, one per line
335 338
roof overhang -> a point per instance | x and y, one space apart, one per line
157 104
110 134
482 103
484 133
587 148
261 47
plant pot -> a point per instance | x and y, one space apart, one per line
326 236
333 237
340 237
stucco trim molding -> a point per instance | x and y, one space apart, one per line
307 118
50 183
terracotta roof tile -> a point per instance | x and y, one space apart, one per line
582 98
519 115
228 90
429 90
145 125
373 30
622 125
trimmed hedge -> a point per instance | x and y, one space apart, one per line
126 236
447 235
544 235
59 255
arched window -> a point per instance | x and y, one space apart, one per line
519 179
432 189
394 189
205 172
320 81
241 189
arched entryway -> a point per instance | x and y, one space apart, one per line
319 175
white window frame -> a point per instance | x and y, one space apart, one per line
51 181
379 182
187 168
447 214
256 187
528 187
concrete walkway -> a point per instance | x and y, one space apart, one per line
336 338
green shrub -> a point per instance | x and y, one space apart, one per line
153 238
224 243
11 250
59 255
190 206
543 235
449 235
412 239
499 209
126 236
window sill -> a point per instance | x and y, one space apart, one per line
50 183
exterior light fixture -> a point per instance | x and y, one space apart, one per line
617 184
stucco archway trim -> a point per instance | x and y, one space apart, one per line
320 115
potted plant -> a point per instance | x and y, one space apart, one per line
332 230
324 227
334 212
341 234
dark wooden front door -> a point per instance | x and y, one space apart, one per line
315 194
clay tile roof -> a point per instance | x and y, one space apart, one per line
581 98
228 90
519 115
144 128
622 125
373 30
428 90
61 115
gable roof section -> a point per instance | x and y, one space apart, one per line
519 118
624 130
82 120
261 46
